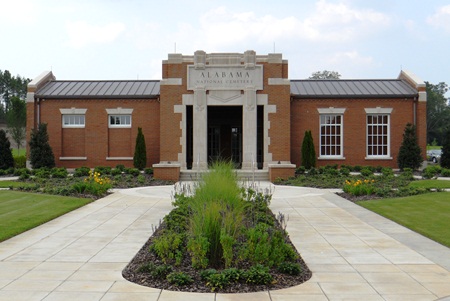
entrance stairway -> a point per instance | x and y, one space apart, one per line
243 175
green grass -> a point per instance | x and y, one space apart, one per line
20 211
427 214
430 147
19 152
441 184
15 184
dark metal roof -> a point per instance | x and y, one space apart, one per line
100 89
370 88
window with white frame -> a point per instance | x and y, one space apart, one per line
378 133
331 132
73 118
119 118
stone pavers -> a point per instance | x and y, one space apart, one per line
353 253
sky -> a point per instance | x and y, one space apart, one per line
128 39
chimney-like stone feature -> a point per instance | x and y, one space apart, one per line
249 59
199 59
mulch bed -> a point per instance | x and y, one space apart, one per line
145 256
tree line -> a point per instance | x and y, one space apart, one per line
13 92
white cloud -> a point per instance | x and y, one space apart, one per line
82 34
441 18
327 23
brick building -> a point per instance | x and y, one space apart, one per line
241 107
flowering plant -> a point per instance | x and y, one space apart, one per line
359 187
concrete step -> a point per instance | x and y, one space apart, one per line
247 175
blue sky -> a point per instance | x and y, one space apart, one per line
128 39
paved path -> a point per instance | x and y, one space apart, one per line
353 253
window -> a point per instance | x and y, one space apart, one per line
378 135
331 132
73 121
73 117
120 120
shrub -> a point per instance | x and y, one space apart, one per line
148 171
179 278
115 172
300 170
6 157
60 173
161 271
289 268
357 168
120 167
366 172
104 170
217 281
20 161
140 152
258 274
169 247
147 268
133 171
308 151
430 172
387 171
344 171
205 274
81 171
233 274
407 174
43 173
41 153
409 155
445 172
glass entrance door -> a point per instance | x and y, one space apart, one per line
225 134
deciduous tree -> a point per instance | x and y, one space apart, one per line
325 74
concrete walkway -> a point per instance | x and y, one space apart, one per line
353 253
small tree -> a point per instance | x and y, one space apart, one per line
308 151
41 154
6 157
445 157
140 152
409 155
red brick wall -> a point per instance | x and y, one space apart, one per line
280 122
96 141
304 116
73 142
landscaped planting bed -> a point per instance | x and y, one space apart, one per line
221 238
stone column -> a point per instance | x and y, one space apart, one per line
200 135
249 119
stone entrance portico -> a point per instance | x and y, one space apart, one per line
252 83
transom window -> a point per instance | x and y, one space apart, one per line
378 138
73 121
331 131
120 120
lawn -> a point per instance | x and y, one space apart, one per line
430 184
21 211
19 152
15 184
427 214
